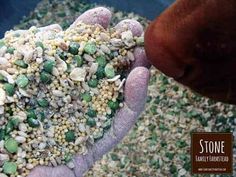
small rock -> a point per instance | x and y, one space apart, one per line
2 97
20 139
78 74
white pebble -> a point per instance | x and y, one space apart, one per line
22 127
105 49
82 128
2 97
71 165
1 110
4 157
88 58
78 74
58 93
20 139
29 166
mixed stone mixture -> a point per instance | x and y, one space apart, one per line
59 91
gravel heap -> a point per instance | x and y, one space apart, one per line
159 143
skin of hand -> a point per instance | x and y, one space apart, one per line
135 95
194 41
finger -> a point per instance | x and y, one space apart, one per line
134 26
136 88
60 171
99 15
140 58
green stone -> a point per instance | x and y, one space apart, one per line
91 122
93 83
91 113
73 48
90 48
86 97
43 102
109 71
22 81
21 63
45 77
48 65
101 60
78 59
100 72
113 105
34 123
31 114
9 128
9 168
11 145
9 88
70 136
67 157
2 78
10 50
2 134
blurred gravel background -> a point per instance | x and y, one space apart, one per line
159 143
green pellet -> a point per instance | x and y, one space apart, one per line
39 44
109 71
31 114
101 60
9 167
2 78
91 122
90 48
67 157
113 105
45 77
34 123
14 121
21 63
11 145
48 65
91 113
10 50
42 102
93 83
22 81
78 59
100 73
86 97
9 88
73 48
2 134
70 136
9 128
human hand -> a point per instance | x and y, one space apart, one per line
195 43
135 94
